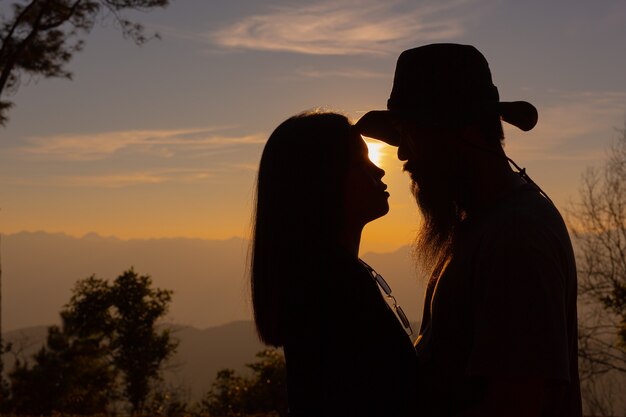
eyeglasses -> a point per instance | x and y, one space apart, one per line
387 290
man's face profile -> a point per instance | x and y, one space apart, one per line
437 173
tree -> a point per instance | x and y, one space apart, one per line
4 385
125 313
600 231
227 396
265 393
138 348
109 343
41 36
168 400
599 225
72 373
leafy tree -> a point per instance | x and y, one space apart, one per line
138 348
227 396
4 386
264 393
109 340
269 388
600 231
170 401
41 36
71 374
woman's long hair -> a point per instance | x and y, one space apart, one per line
299 206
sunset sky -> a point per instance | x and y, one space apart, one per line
164 140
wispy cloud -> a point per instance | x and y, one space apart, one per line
115 180
344 27
353 73
162 143
577 127
134 157
134 178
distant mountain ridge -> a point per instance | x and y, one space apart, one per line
208 277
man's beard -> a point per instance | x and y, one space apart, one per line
441 208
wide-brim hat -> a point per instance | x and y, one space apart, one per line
443 85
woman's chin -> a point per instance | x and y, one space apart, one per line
384 209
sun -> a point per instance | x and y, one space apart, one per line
376 151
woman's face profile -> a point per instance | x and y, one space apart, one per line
365 195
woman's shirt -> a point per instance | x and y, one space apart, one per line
346 352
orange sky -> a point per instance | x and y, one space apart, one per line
164 140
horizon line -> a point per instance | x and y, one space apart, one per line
95 235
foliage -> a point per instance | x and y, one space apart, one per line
228 395
41 36
167 401
4 384
138 349
108 342
264 392
70 374
600 229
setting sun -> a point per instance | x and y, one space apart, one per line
375 151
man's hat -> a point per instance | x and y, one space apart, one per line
443 84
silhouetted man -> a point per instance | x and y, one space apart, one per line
499 331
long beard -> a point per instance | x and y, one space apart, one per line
442 214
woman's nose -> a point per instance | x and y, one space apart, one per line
379 172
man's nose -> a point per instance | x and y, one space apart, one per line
402 151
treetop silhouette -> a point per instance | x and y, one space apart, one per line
41 36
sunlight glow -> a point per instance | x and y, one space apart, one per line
376 151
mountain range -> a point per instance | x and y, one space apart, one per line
208 277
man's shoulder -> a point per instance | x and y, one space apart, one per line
525 218
523 210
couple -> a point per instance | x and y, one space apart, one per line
498 334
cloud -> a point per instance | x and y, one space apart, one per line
162 143
134 157
134 178
116 180
352 73
578 126
344 27
244 166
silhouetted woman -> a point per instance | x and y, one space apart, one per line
346 352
